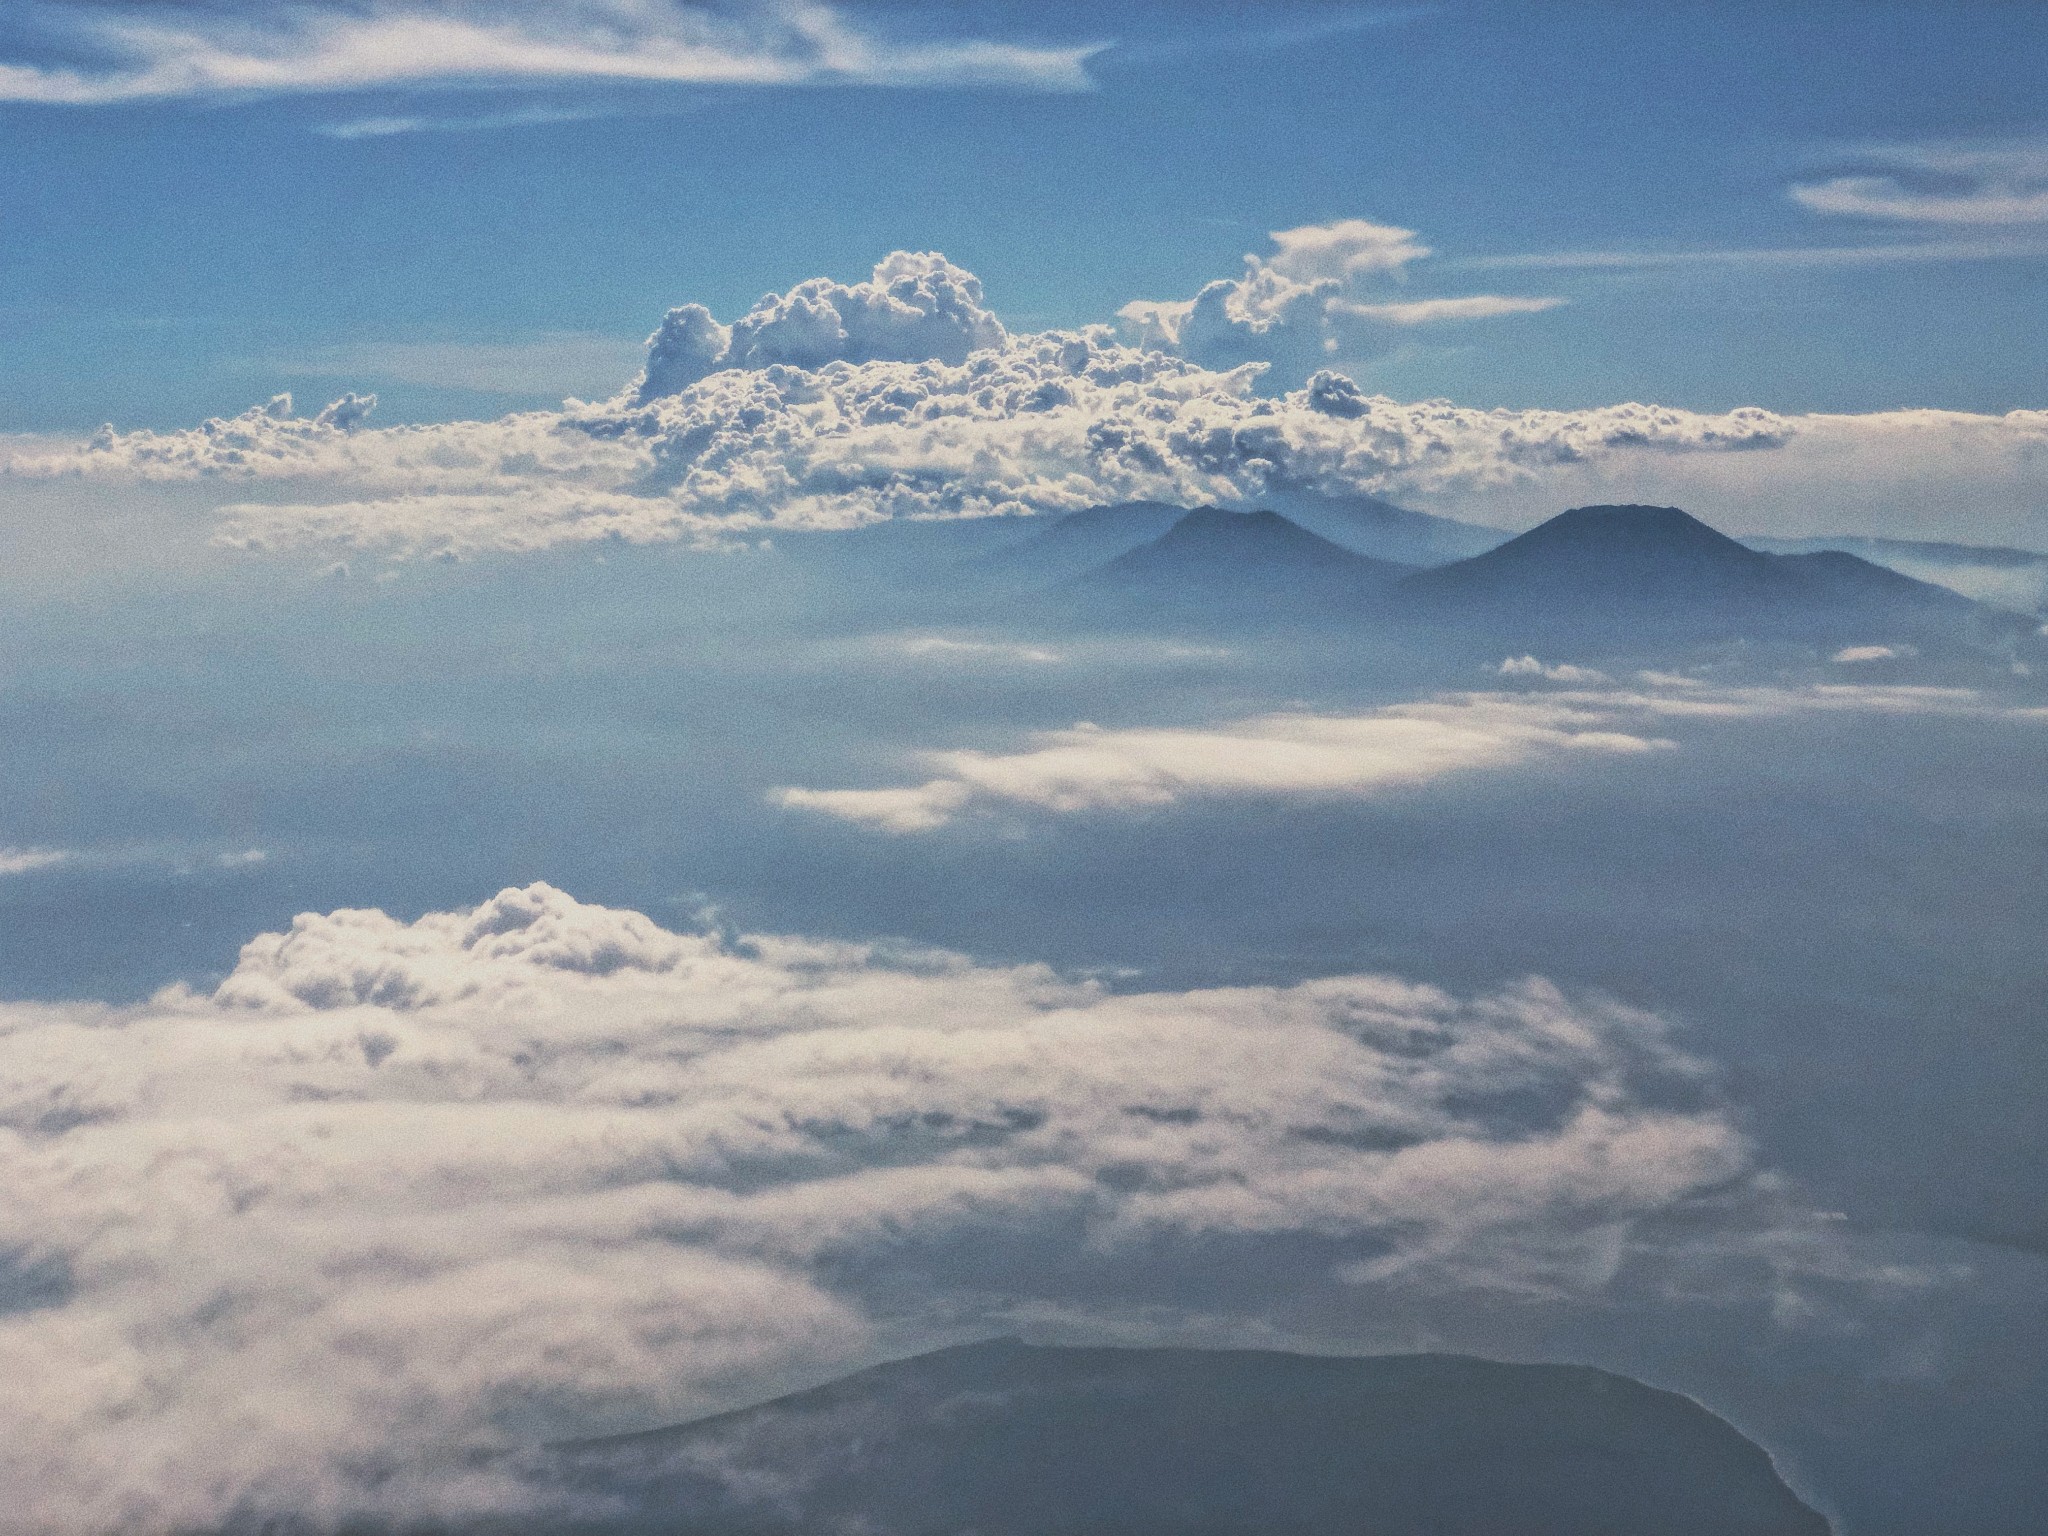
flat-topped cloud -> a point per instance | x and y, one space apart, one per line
1300 756
541 1167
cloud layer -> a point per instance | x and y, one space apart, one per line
541 1167
1337 757
116 53
837 404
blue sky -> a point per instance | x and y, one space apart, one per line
173 245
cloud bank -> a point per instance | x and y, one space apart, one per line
837 404
114 53
542 1167
1360 756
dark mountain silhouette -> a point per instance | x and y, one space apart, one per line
1004 1439
1240 566
1658 572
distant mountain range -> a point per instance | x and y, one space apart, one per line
1990 573
1386 532
1599 578
1004 1439
1241 564
1594 575
1072 545
1077 543
1657 570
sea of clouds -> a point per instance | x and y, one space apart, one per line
903 395
395 1190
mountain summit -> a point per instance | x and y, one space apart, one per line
1257 543
1660 571
1627 553
1244 566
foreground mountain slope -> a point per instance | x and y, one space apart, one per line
1005 1439
1659 571
1990 573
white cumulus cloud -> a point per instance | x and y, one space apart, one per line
837 404
916 306
1314 295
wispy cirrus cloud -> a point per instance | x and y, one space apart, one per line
1893 253
1477 306
1274 34
98 54
391 126
1957 184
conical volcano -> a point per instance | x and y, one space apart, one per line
1660 571
1242 566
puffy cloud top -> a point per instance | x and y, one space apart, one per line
1308 298
838 404
916 306
1340 250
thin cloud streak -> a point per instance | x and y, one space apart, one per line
1760 256
1964 184
1478 306
1347 21
525 117
320 48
